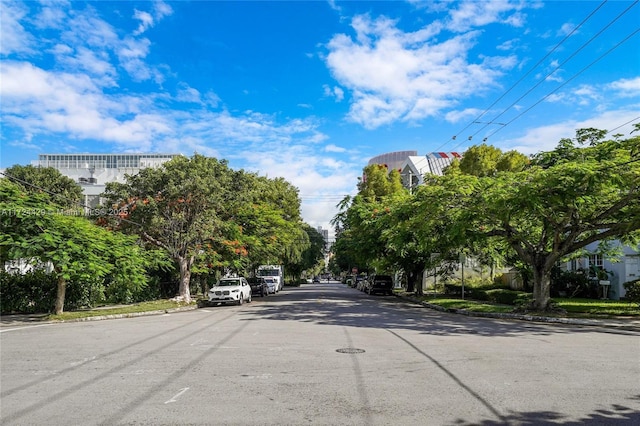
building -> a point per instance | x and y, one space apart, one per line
392 160
620 269
324 233
414 168
93 171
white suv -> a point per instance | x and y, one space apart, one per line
231 290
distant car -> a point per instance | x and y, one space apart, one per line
259 286
360 283
379 284
316 280
272 284
231 290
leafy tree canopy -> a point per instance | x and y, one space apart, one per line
49 182
33 229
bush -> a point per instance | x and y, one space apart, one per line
494 293
632 290
28 293
35 292
507 297
479 294
572 284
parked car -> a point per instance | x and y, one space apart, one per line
361 282
272 284
379 284
259 286
316 280
231 290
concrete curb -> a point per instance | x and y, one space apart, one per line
619 324
18 319
132 314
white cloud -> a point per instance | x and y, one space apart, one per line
335 92
334 6
188 94
131 54
334 148
627 87
566 29
51 102
395 75
508 45
212 99
457 116
13 35
147 20
546 138
52 15
87 43
471 14
599 95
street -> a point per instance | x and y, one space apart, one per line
320 354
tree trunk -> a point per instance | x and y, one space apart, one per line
541 288
184 293
411 282
60 294
417 274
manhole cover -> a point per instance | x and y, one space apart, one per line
350 350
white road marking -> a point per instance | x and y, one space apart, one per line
25 327
84 361
259 376
176 396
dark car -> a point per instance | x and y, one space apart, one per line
379 284
259 286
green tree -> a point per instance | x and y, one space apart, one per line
311 256
185 207
33 229
480 160
49 182
361 218
512 161
486 160
376 182
569 198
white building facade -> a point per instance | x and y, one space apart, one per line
415 167
621 269
93 171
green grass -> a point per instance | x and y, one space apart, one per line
469 305
576 308
154 305
598 307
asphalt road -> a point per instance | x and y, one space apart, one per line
321 354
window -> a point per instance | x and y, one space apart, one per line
595 260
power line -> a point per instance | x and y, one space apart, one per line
560 65
566 82
524 76
624 124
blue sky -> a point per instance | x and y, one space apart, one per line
311 90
